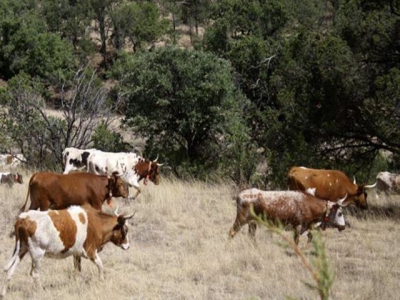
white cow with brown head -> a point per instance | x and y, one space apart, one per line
76 231
132 167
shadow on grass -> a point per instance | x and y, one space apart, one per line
385 211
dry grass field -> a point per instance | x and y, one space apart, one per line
178 251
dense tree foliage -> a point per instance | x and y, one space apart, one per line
186 105
270 83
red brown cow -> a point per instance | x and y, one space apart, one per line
328 184
294 208
58 191
75 231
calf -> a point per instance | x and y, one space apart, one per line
11 178
293 208
57 191
61 233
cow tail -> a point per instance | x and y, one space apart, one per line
26 202
14 258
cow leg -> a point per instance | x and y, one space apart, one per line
310 237
252 232
19 254
36 258
297 233
237 225
138 191
96 259
77 263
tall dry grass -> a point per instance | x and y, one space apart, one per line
178 251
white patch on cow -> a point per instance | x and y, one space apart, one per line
72 153
105 163
125 245
311 191
279 201
329 175
48 237
386 178
339 217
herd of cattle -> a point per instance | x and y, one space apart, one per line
66 216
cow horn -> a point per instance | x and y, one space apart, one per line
354 180
371 186
340 201
129 216
160 165
156 159
116 211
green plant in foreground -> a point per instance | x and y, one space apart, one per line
318 267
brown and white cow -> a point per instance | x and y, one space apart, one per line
328 185
61 233
49 190
295 208
131 166
388 183
11 178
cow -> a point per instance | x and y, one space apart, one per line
388 183
11 178
49 190
12 160
75 159
289 208
76 231
133 167
328 185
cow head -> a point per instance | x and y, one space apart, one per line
119 235
360 198
334 215
117 186
150 170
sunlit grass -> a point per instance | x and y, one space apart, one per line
178 251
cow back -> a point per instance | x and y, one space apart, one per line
58 191
325 184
